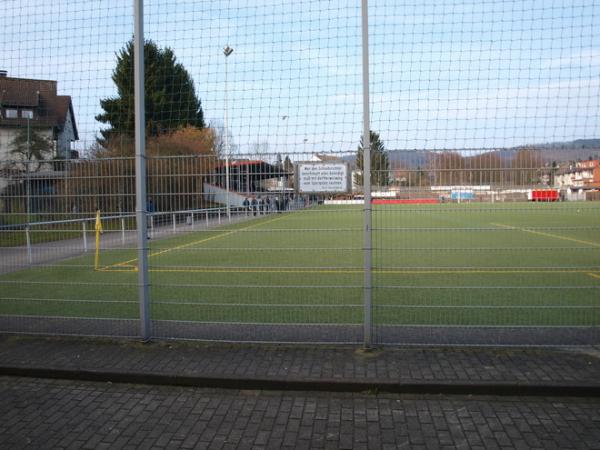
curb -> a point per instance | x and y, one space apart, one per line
324 385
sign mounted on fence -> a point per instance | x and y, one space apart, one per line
322 177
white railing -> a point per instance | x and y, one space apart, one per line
159 223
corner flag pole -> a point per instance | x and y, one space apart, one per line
98 228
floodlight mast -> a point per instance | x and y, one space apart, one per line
227 50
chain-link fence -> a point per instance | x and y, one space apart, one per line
245 204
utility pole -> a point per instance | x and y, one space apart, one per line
27 169
227 51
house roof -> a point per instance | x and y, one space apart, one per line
580 166
326 158
253 168
246 163
50 109
19 98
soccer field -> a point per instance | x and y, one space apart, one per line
507 264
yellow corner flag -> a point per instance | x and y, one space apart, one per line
98 222
98 228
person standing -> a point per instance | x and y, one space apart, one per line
149 216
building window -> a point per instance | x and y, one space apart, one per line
27 114
11 114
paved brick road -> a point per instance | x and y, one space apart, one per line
37 413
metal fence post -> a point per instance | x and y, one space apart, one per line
85 246
28 239
368 249
140 170
122 231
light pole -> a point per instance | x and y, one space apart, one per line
227 51
284 179
28 162
285 119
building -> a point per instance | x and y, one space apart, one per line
580 180
580 175
246 178
35 104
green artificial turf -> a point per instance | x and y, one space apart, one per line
447 264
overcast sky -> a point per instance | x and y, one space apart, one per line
444 74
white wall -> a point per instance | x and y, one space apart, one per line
343 202
219 195
7 135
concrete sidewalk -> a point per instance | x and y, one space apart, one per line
427 370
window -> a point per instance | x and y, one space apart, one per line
11 114
27 114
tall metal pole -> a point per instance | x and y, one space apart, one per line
368 252
285 179
140 170
27 169
227 51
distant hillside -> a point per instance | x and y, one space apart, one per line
410 159
554 151
569 151
579 143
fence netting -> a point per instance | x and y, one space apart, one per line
484 171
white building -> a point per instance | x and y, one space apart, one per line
35 104
582 174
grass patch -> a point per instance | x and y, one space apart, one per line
478 264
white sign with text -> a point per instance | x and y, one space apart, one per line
323 177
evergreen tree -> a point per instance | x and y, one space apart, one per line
380 165
170 98
288 166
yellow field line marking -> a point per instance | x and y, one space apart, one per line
494 271
541 233
353 271
108 269
224 234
